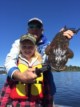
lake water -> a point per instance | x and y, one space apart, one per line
68 88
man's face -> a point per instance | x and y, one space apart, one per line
35 29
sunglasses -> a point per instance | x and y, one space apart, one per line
34 26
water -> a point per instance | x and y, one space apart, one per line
68 88
2 80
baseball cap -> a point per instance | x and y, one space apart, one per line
28 37
35 20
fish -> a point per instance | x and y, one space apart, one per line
58 51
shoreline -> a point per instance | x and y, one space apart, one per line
3 72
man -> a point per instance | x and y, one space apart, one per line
35 27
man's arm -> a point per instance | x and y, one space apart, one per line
11 59
49 89
27 76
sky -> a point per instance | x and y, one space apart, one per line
55 14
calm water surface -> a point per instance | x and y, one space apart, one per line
68 88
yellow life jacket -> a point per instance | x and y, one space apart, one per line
25 91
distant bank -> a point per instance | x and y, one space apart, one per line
67 68
2 70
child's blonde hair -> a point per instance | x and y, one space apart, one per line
37 54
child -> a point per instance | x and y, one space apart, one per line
22 92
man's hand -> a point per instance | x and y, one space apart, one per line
27 76
69 34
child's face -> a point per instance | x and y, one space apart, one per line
27 49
